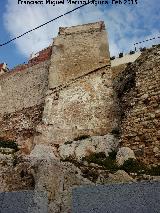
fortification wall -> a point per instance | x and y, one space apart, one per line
79 100
83 107
116 70
23 89
139 95
22 96
37 58
77 51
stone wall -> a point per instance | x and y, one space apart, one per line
77 51
139 94
22 97
20 126
15 174
23 89
127 58
77 90
116 70
79 101
84 107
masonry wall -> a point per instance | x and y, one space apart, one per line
116 70
79 101
77 51
24 88
84 107
22 96
139 95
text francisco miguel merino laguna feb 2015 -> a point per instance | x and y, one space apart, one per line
95 2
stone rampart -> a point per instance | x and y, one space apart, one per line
22 97
139 95
23 89
79 100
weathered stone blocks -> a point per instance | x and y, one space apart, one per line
83 148
77 51
140 121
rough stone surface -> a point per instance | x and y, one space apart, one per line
116 70
21 124
123 154
83 148
119 177
22 96
15 174
78 95
138 91
86 46
79 100
58 179
23 89
81 108
42 151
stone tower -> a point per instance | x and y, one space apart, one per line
79 98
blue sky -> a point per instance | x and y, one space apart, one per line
126 24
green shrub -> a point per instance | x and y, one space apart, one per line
112 155
9 144
132 165
154 171
108 163
90 174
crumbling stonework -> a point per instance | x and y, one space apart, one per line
78 51
85 147
78 95
139 95
15 174
42 56
84 107
23 89
20 126
22 96
79 100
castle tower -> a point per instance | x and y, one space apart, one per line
79 100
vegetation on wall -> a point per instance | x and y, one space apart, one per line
81 137
109 163
9 144
129 166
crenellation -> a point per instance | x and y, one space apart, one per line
85 28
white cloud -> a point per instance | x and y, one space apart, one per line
126 25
